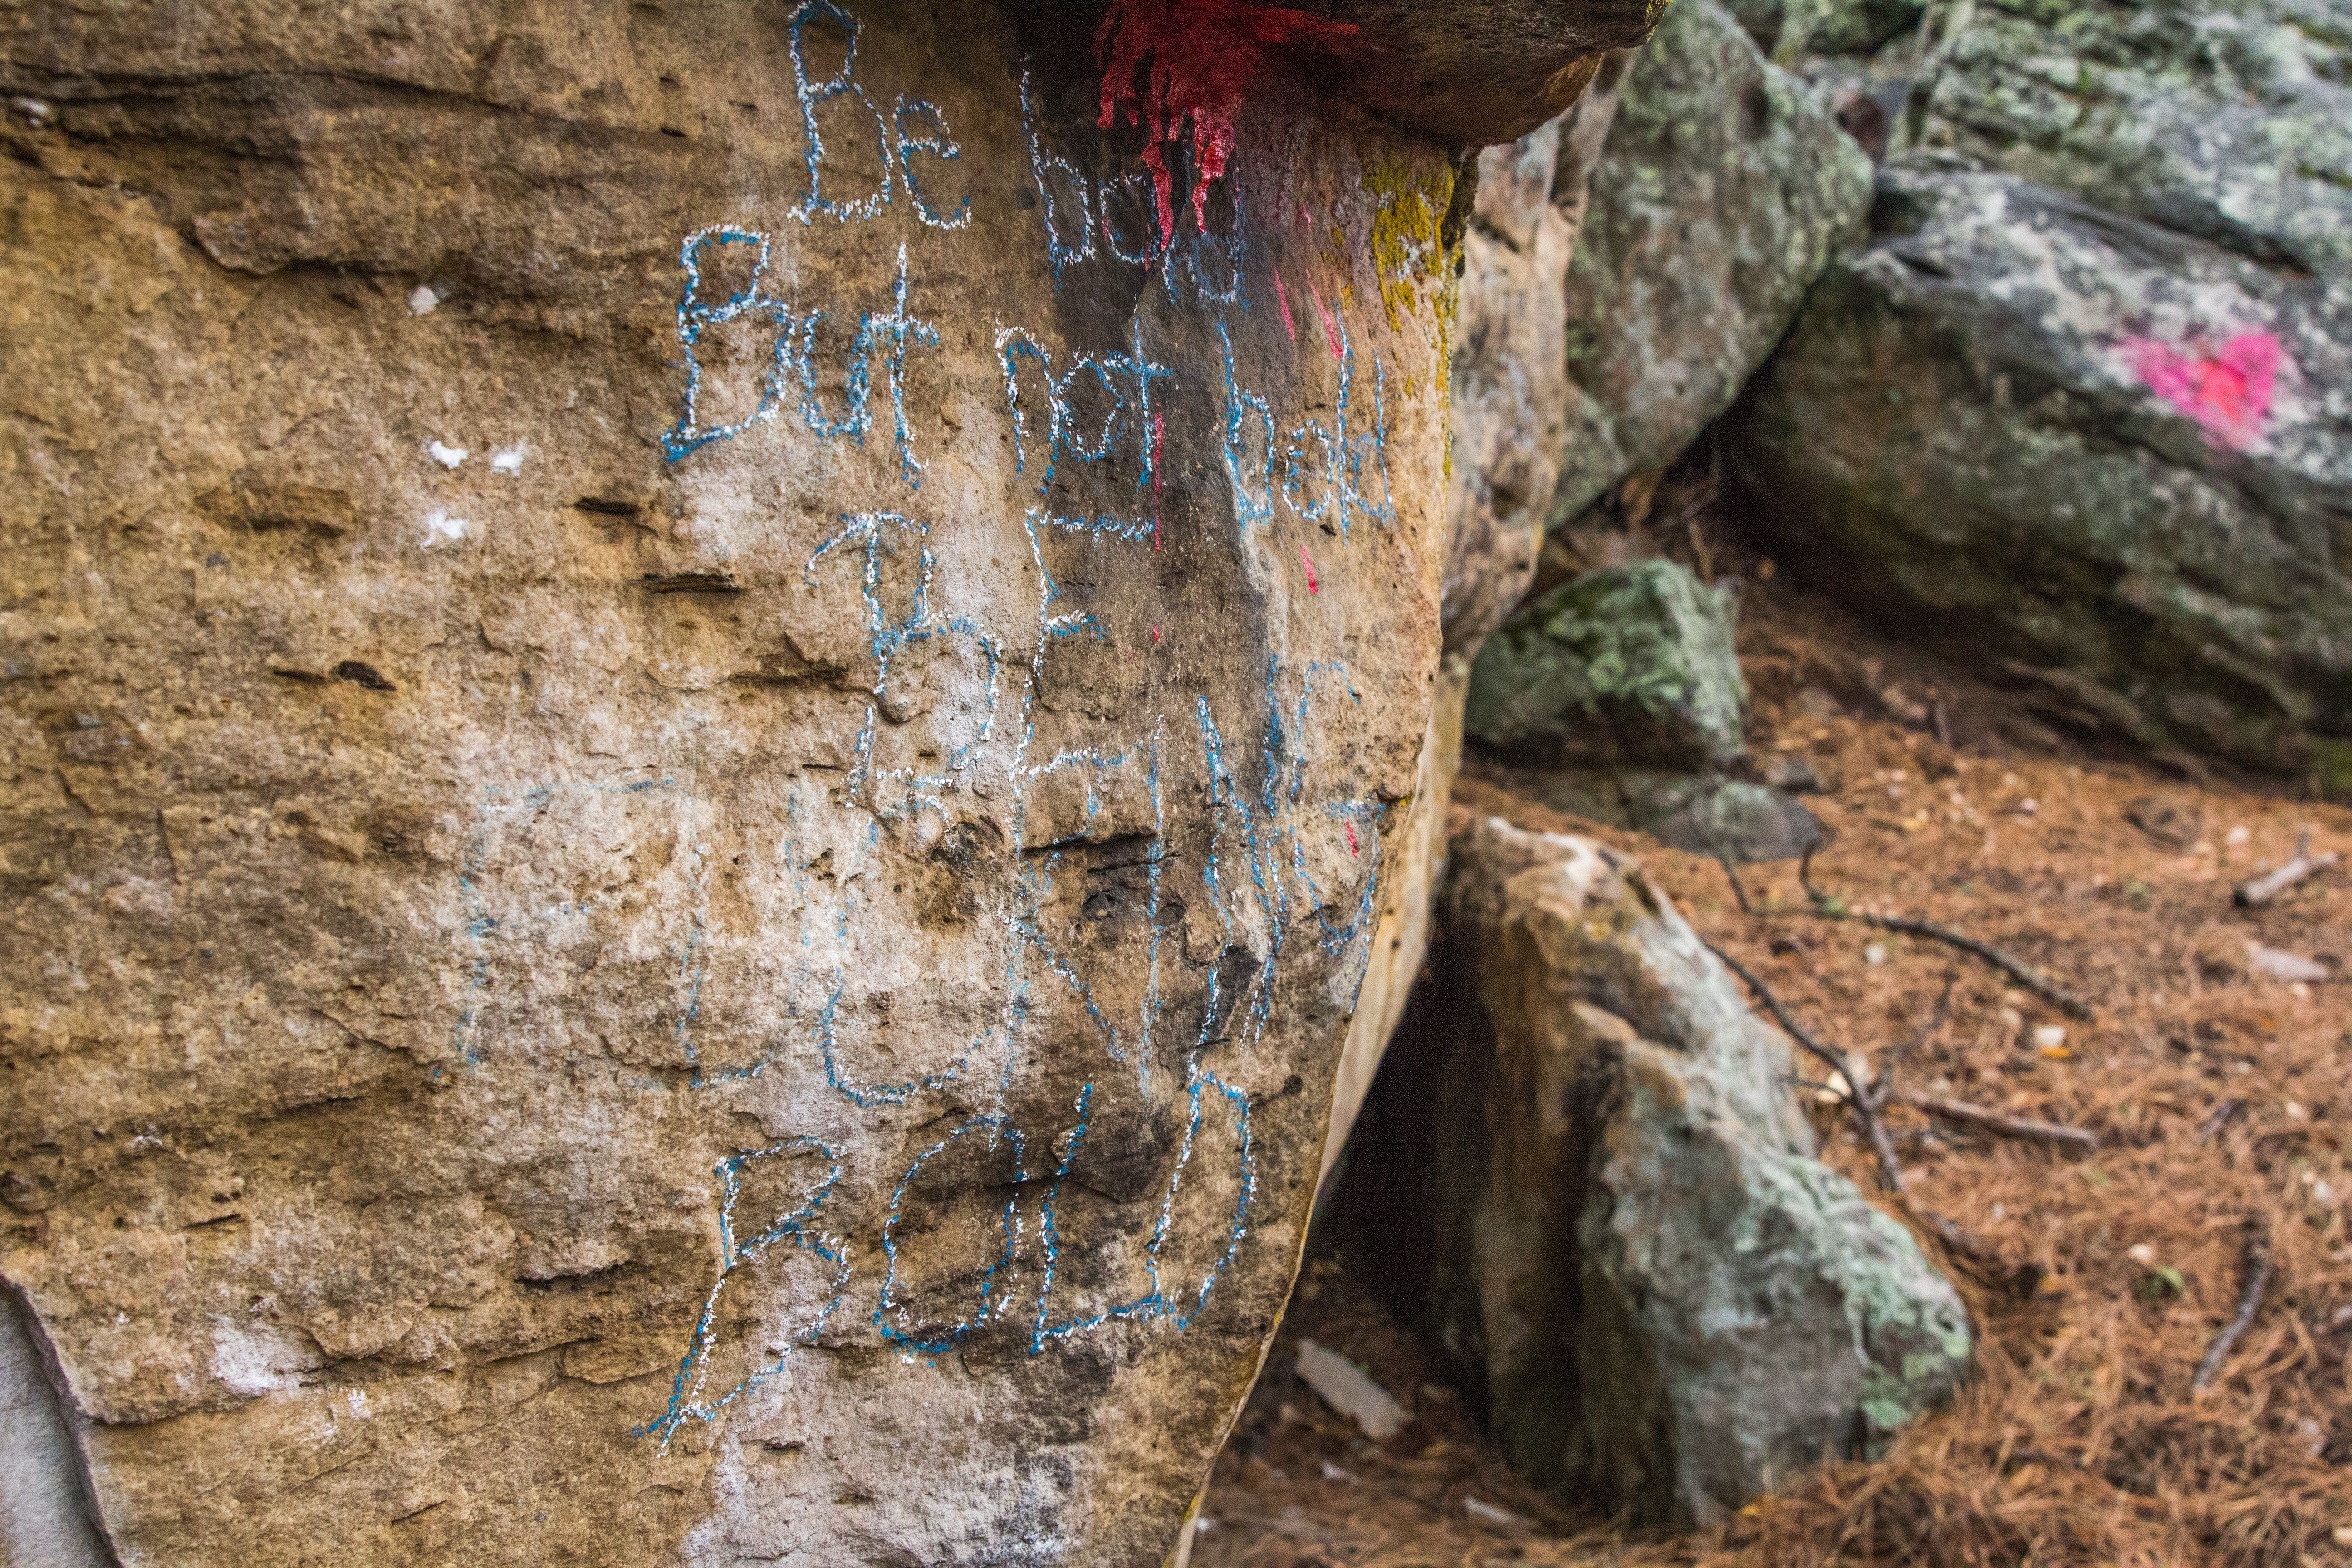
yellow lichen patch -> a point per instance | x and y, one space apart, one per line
1408 210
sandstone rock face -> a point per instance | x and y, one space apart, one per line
1672 1306
1722 193
1629 664
700 747
2229 119
1508 389
2106 458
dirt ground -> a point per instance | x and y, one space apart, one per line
2220 1097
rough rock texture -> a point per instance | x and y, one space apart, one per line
2230 120
47 1519
699 757
1672 1306
1485 70
1509 385
1507 390
1794 28
2107 459
1628 664
1722 193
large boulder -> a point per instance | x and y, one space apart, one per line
1670 1304
702 727
2229 119
1723 191
2108 460
1634 664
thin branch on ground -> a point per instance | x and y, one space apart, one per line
2218 1118
2258 1281
1857 1099
2262 889
1738 889
1826 907
1977 1116
2020 1278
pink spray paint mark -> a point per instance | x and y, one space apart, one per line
1159 445
1155 636
1283 295
1330 332
1351 837
2228 392
1312 586
1199 61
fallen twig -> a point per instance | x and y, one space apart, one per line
1828 908
2217 1119
2020 1278
1857 1099
2264 888
2258 1281
1738 889
2007 1126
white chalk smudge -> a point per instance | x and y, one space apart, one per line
440 525
447 457
508 460
421 300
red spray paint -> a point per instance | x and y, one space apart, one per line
1330 332
1312 586
1204 56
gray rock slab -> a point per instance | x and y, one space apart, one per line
2101 459
2230 120
1672 1304
1723 191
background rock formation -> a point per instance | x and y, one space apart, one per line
2102 455
2227 119
699 753
1723 191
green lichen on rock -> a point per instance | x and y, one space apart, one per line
2230 120
1793 1284
1724 190
1672 1303
1632 663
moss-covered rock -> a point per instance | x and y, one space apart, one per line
2101 457
1628 664
1672 1304
1789 30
